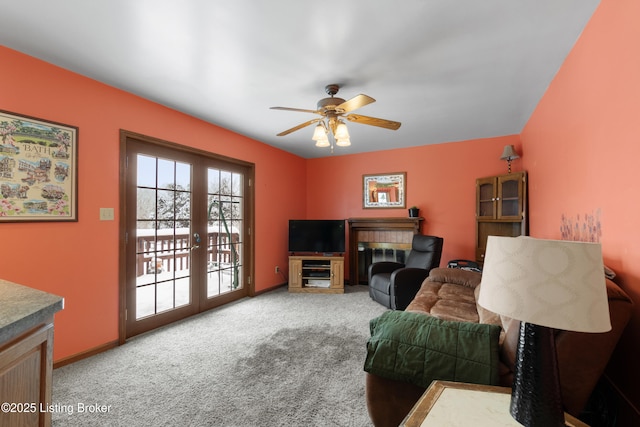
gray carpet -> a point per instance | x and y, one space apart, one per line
278 359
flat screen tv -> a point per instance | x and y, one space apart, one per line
316 235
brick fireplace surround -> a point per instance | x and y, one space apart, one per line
374 239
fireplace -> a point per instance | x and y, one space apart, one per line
378 239
370 252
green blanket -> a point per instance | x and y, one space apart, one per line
418 349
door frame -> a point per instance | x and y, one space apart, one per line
248 269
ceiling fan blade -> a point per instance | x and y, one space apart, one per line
355 103
294 109
373 121
300 126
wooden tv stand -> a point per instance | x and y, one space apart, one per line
316 274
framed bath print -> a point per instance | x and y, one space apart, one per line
384 190
38 169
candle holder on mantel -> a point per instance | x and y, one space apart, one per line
414 212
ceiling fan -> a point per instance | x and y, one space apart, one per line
333 110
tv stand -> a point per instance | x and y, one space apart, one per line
316 274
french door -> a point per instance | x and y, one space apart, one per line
186 217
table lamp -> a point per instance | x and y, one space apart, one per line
546 284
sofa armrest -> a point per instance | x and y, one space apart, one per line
406 284
583 357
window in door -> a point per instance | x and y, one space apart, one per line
225 222
186 221
163 230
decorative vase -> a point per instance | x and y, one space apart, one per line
414 212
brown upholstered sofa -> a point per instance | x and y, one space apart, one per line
451 294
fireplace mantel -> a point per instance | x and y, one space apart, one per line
384 230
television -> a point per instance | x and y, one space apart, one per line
316 236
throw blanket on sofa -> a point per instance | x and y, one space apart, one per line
418 349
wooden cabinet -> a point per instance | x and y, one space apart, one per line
501 197
321 274
25 378
501 208
26 354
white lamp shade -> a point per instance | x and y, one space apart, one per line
319 133
323 142
552 283
342 132
343 142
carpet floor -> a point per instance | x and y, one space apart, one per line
278 359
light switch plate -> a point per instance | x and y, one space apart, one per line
106 214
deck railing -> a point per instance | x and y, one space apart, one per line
165 250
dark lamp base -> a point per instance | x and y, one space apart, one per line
536 399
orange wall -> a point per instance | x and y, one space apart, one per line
441 181
79 261
581 150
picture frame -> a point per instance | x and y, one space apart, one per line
38 169
384 191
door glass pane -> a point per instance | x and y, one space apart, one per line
214 182
146 206
182 206
146 171
163 230
164 296
145 300
236 184
224 245
166 205
183 176
225 182
182 292
166 173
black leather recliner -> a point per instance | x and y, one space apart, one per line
394 284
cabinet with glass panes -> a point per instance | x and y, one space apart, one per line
501 208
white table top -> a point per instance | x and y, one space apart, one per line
454 404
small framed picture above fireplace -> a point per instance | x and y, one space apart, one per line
384 191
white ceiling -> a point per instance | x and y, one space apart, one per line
449 70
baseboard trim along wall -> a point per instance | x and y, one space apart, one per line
79 356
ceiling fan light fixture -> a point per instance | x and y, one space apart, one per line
320 132
341 132
331 130
322 143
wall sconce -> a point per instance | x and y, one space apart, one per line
508 154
